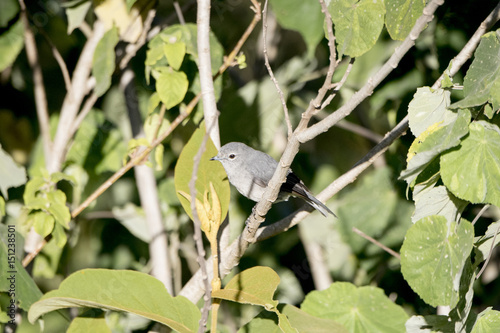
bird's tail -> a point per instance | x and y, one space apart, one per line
318 205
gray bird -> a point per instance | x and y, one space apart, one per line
250 171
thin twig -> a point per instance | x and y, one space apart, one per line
73 99
377 243
161 115
228 61
139 158
337 86
59 59
87 106
481 212
39 87
322 126
198 237
230 256
178 11
489 253
271 73
131 49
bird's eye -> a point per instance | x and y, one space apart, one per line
232 156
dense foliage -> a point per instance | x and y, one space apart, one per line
394 105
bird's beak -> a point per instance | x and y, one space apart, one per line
215 158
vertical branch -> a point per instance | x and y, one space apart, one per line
73 99
148 193
198 237
270 71
205 68
319 270
39 88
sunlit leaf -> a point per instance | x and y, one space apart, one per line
11 44
429 107
208 172
433 256
401 16
255 285
482 81
117 290
358 24
359 309
103 64
472 172
487 321
76 14
172 87
175 54
11 174
432 143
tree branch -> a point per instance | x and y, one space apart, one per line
271 74
323 126
73 99
148 191
205 70
42 110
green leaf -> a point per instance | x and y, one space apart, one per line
255 286
429 107
159 151
45 265
483 243
120 291
359 309
8 10
154 101
89 324
290 15
130 3
151 126
358 24
433 142
59 235
56 177
401 16
355 208
103 64
433 256
11 175
472 172
175 54
76 14
427 324
437 201
299 320
187 33
487 321
133 218
58 207
11 44
2 207
27 291
42 222
172 87
482 81
208 172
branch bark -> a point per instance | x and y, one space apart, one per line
205 68
148 192
73 99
